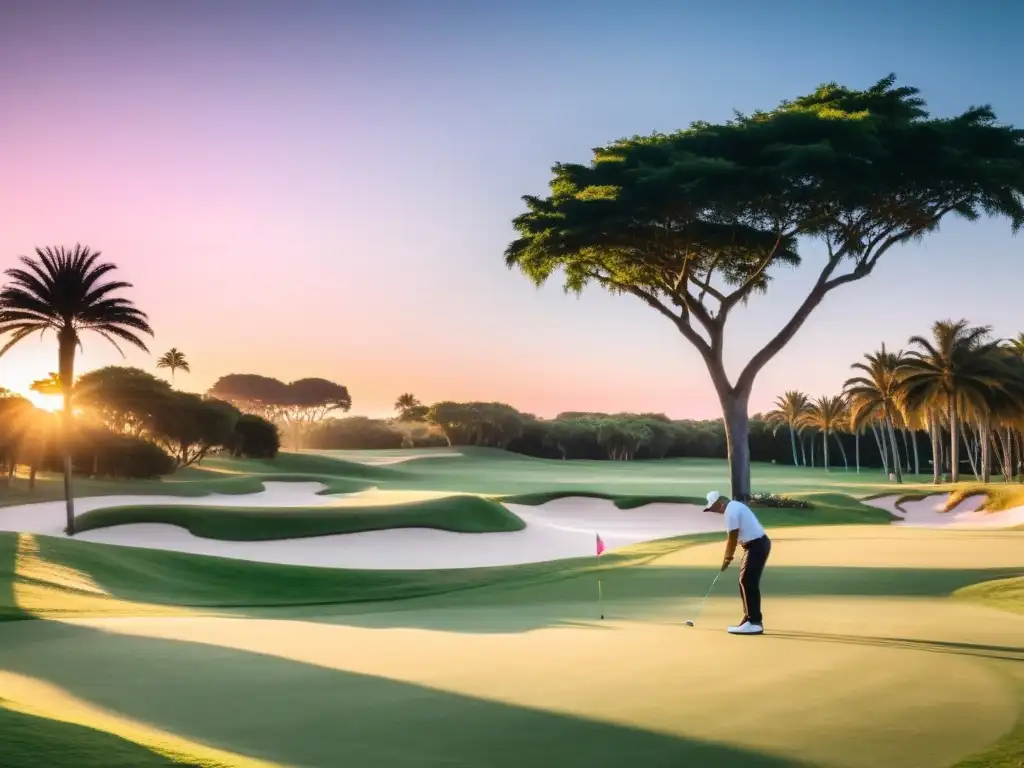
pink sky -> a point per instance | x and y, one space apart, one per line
330 195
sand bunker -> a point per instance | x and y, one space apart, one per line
383 461
928 513
564 528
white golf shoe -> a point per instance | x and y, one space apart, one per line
746 628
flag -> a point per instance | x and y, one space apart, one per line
600 544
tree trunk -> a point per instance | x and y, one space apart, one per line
32 478
936 435
881 448
812 450
824 444
986 447
1011 449
906 449
969 442
917 456
66 340
896 468
856 448
803 450
842 451
737 440
792 442
954 441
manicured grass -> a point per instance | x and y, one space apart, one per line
1006 594
517 658
495 473
459 514
882 648
44 742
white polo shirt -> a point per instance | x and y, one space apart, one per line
739 515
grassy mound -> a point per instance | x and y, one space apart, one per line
826 508
1006 594
458 514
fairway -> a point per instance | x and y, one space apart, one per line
885 644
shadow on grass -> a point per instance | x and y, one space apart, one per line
39 742
639 594
299 714
1003 652
518 598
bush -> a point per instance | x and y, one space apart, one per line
354 433
102 453
777 502
254 438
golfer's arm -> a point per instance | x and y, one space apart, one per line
730 544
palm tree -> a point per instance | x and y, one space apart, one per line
789 410
406 402
174 359
830 415
875 397
62 290
958 371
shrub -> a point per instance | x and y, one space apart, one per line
102 453
777 502
354 433
254 438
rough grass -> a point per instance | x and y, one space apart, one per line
458 514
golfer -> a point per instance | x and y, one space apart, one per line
746 530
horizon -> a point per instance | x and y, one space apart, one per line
328 192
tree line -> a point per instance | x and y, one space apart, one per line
571 435
960 388
129 424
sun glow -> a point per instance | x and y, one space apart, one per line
50 403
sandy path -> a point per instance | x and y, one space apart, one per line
928 513
564 528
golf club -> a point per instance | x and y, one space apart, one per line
689 622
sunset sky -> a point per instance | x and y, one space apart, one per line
317 188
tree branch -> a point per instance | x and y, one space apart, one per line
691 335
821 287
736 296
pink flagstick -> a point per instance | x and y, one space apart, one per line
600 597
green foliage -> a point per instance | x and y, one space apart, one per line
254 438
696 222
477 423
123 399
99 453
174 360
354 433
251 393
298 405
459 514
188 426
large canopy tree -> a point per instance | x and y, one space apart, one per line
122 398
696 222
299 405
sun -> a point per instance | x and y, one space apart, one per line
50 403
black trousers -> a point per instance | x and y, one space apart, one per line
755 555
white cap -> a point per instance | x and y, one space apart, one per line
712 498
